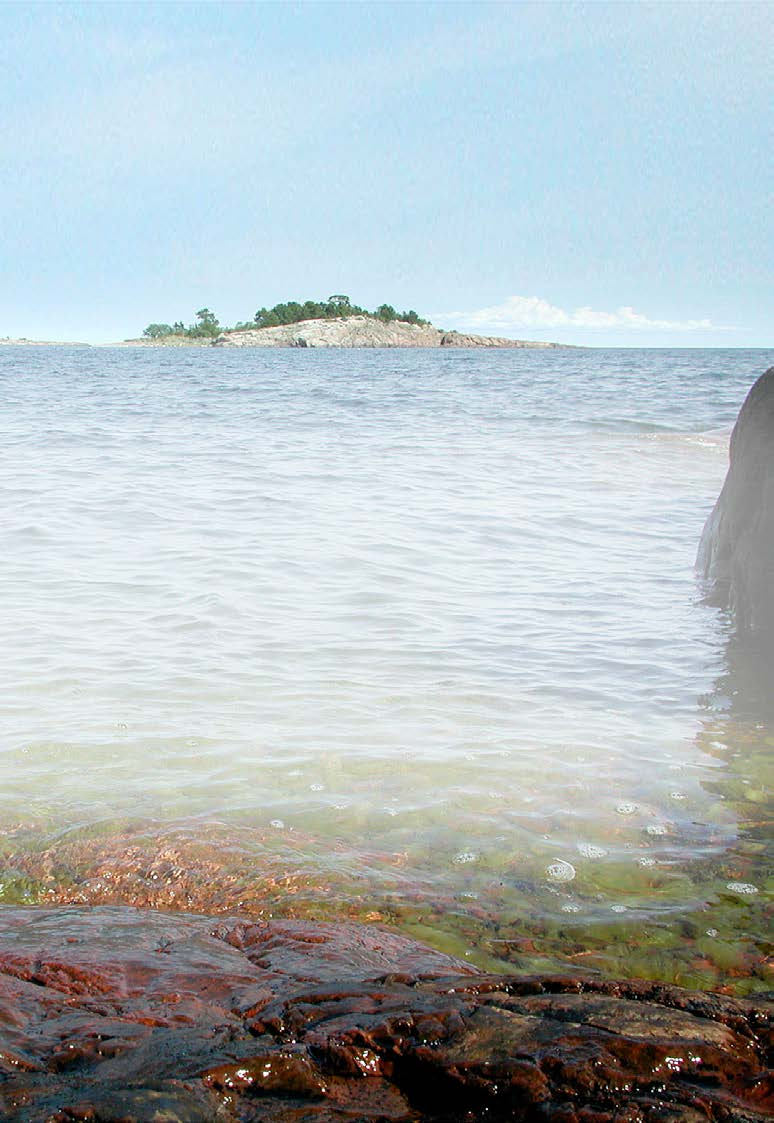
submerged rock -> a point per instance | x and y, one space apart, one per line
116 1014
736 553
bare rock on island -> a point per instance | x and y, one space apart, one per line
121 1015
362 331
736 553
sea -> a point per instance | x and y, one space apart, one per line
411 636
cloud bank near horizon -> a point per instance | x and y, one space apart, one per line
535 312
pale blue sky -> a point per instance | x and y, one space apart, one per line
590 173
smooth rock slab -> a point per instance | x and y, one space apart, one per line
116 1014
363 331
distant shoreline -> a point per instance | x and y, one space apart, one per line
514 344
352 332
22 342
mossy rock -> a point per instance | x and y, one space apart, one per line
17 889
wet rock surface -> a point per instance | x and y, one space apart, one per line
119 1014
736 554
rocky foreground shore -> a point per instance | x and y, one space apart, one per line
362 331
121 1015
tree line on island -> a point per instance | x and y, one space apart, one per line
207 324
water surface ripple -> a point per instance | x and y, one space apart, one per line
419 628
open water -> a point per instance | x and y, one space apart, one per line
411 635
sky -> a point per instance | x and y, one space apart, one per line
589 173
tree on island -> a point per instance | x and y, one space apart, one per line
158 331
334 307
207 325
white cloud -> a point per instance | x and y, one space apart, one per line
534 312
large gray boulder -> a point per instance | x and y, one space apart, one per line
736 553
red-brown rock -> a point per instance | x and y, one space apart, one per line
127 1016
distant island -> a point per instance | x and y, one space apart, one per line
335 322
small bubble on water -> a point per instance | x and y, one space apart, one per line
646 862
393 811
561 871
625 807
465 857
677 795
657 828
496 795
316 787
589 850
618 908
743 887
712 933
468 896
278 824
571 907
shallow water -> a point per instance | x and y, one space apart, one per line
407 634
